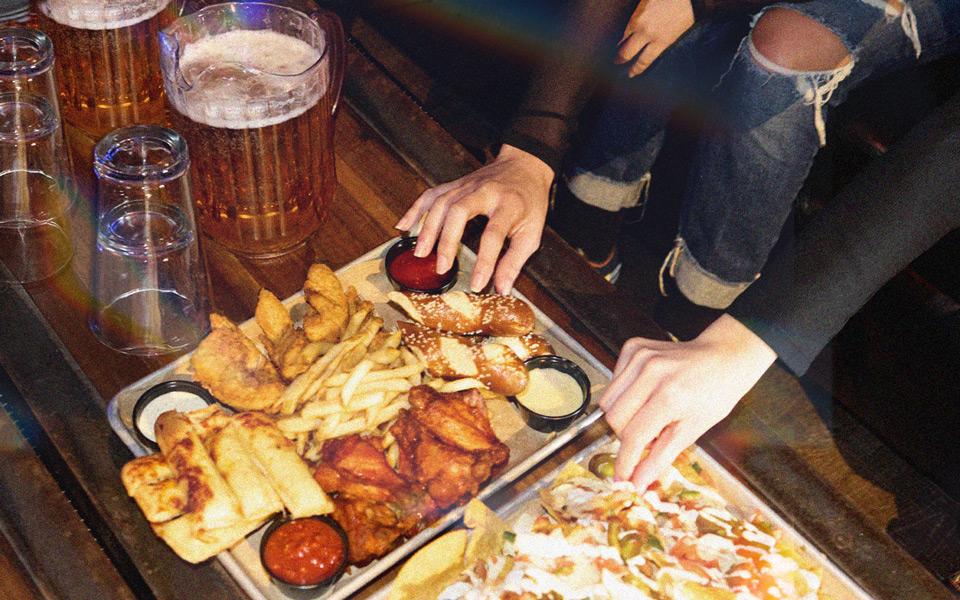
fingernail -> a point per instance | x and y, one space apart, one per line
443 265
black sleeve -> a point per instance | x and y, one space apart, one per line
702 8
891 213
546 118
582 52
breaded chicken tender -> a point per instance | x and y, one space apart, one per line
231 367
325 295
288 347
272 316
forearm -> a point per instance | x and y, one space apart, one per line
892 212
567 76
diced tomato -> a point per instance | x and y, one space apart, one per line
608 564
695 566
686 547
751 553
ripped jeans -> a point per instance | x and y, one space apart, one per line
765 124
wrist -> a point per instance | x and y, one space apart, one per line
735 338
699 8
532 163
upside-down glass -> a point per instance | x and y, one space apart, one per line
34 195
107 59
150 286
254 88
26 63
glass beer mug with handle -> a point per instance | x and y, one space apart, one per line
107 59
254 88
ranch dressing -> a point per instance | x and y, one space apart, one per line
177 400
551 393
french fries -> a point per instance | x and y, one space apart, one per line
356 386
357 383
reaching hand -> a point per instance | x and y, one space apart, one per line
513 191
665 395
653 27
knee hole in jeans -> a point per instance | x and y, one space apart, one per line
792 40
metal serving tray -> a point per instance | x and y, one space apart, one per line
527 447
836 585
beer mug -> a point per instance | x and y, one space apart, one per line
254 88
107 59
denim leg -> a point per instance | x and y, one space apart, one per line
749 167
611 169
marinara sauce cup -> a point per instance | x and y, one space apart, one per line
304 556
409 273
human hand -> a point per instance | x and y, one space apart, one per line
665 395
513 191
653 27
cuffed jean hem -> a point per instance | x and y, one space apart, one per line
607 194
699 285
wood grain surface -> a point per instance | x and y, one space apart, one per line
388 151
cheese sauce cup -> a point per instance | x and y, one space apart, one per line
179 395
558 392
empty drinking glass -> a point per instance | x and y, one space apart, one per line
34 195
148 276
26 63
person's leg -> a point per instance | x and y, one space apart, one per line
748 169
611 168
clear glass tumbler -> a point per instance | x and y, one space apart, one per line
26 63
150 286
35 242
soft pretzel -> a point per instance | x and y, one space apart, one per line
525 346
455 357
467 314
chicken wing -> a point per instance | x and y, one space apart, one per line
459 419
231 367
447 445
356 466
372 528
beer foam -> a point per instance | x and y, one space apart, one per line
246 79
102 14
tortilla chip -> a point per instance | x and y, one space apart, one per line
571 471
689 590
431 569
488 528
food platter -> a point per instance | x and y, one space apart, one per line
835 584
527 446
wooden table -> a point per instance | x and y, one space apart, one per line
92 540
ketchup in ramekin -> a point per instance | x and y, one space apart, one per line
412 273
304 553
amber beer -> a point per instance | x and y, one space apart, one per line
260 139
107 59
